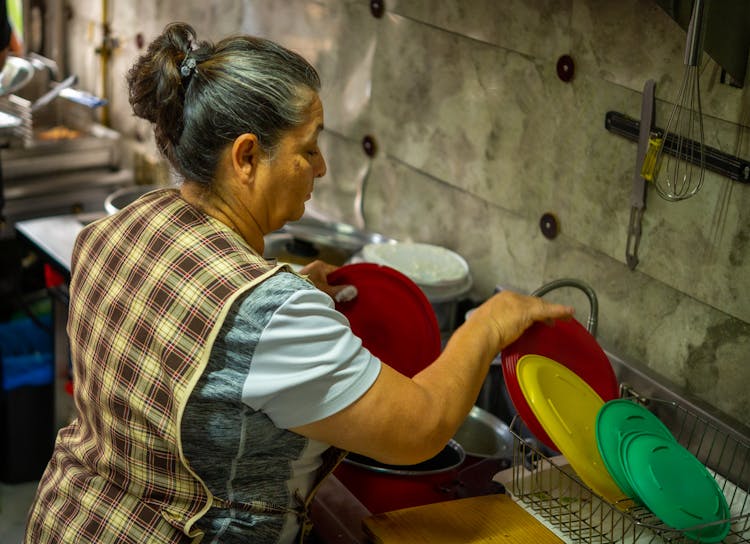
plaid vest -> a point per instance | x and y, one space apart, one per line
150 289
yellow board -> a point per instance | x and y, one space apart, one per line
486 519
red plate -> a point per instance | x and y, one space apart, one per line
568 343
391 315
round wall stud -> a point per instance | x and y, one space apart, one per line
377 8
369 145
565 68
549 225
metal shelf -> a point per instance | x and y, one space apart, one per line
548 487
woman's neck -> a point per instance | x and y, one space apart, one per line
214 204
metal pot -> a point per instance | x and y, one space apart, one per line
382 488
320 231
483 435
127 195
312 238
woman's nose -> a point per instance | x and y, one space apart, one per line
320 166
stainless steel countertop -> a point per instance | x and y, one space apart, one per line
54 236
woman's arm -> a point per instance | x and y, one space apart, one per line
405 421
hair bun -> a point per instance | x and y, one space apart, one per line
156 89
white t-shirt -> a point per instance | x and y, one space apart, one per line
284 358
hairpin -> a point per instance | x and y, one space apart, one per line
187 67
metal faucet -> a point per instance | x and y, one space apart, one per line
586 288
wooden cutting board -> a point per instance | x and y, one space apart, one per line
486 519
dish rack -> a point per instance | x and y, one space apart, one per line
547 486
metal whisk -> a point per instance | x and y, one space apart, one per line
680 161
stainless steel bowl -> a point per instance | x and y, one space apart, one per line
342 235
310 238
127 195
485 435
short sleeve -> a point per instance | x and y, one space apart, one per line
308 364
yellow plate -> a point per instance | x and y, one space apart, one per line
566 407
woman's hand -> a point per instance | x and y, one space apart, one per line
510 314
317 272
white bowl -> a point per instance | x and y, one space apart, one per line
427 265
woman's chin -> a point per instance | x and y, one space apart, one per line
298 215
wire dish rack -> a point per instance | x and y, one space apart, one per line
547 486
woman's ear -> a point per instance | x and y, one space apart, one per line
245 156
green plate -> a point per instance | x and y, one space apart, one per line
617 419
675 485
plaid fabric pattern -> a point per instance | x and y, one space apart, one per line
150 289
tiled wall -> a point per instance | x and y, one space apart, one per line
477 137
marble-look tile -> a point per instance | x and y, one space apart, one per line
508 24
585 178
338 38
678 248
628 42
338 194
501 248
677 245
148 20
479 117
691 344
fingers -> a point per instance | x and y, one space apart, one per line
548 312
317 267
317 272
344 293
513 313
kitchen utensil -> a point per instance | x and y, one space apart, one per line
120 198
50 95
426 265
566 407
391 315
8 120
316 230
475 520
638 193
16 73
483 435
675 486
617 419
382 487
83 98
680 176
571 345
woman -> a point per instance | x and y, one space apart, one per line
210 383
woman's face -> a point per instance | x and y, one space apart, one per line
287 178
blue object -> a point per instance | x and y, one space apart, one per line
26 353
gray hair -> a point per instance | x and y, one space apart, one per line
242 84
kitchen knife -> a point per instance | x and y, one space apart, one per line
638 194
